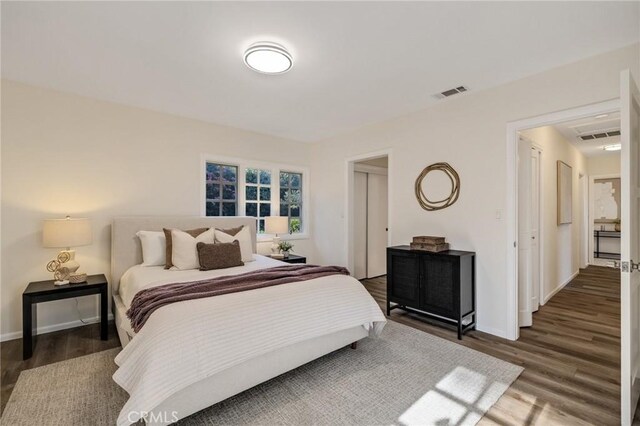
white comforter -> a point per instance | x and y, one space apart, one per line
185 342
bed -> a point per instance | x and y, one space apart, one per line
193 354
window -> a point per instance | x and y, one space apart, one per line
258 195
235 187
221 190
291 199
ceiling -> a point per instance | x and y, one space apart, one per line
598 126
355 63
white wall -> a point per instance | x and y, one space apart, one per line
65 154
469 132
561 243
604 164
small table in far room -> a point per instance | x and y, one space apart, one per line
294 258
45 291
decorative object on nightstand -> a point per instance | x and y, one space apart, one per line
276 225
45 291
66 233
285 247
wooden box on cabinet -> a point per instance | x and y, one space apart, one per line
440 286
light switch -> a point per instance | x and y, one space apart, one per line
498 214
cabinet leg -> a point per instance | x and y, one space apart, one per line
460 330
388 308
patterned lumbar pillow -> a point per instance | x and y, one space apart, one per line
184 254
219 255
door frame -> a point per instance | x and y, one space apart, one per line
585 221
513 331
592 214
348 202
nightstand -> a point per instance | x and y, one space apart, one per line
45 291
294 258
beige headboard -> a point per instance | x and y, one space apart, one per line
126 250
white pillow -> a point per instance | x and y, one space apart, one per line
243 237
154 247
184 251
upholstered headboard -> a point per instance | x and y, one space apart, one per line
126 250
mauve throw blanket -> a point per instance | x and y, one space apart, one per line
147 301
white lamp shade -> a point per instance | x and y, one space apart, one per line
276 225
66 232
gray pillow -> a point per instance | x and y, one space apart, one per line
219 255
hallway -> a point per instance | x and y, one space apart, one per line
571 354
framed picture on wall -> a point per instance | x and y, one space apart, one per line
565 193
606 200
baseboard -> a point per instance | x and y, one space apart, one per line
560 287
54 327
491 330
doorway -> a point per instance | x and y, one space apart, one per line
370 211
514 130
529 230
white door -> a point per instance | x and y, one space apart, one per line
377 225
525 318
630 245
360 225
535 229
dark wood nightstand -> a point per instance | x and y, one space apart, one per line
44 291
294 258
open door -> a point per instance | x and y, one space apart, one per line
630 246
525 315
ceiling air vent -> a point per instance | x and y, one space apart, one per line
600 135
450 92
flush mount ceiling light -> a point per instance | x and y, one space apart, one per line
268 58
614 147
602 116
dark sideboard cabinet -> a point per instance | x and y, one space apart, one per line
440 286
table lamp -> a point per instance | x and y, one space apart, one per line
276 225
65 233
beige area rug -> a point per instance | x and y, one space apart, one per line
407 377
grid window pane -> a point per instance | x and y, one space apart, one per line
229 173
284 195
265 194
284 210
228 209
213 209
213 171
213 191
229 192
251 176
284 179
295 210
261 226
251 209
265 177
295 225
296 180
251 193
265 209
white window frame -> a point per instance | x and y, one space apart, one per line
275 168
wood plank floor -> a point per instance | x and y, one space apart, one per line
571 354
50 348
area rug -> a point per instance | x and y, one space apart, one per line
406 377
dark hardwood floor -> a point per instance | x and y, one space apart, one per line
50 348
571 354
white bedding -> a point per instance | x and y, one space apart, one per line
186 342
